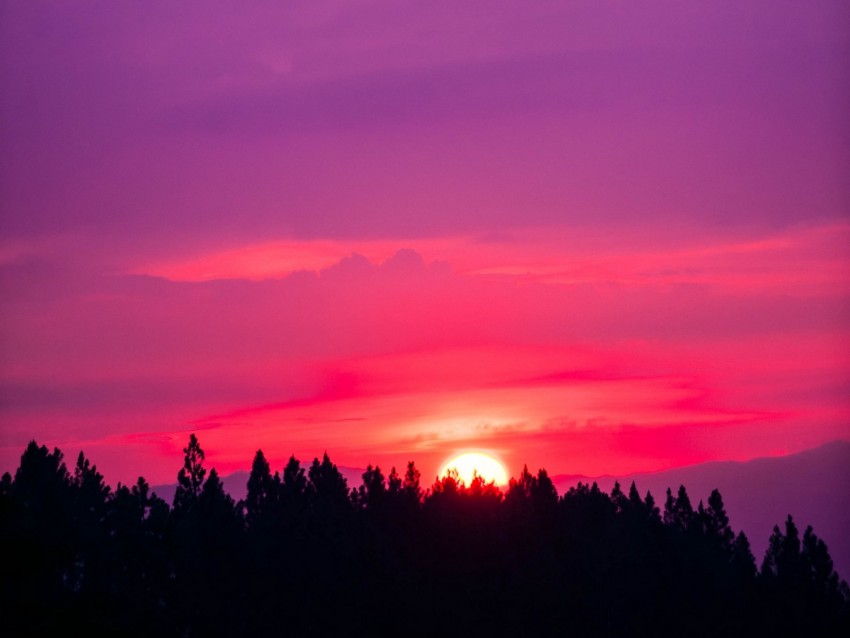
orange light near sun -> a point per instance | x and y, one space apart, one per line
471 463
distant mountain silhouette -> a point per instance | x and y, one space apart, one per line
813 486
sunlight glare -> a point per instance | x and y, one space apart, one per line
469 463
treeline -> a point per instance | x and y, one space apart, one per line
305 555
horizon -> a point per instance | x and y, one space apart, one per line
277 464
355 473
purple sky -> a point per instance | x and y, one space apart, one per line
645 204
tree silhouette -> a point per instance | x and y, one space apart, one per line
304 555
327 487
393 484
91 489
38 541
715 522
678 511
294 485
190 479
412 490
782 559
263 494
372 495
520 489
743 559
800 578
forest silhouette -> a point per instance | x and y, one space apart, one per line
305 555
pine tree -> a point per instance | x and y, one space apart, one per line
742 557
215 505
293 488
545 494
772 556
653 513
520 488
618 498
393 484
448 485
678 512
41 480
371 495
262 495
190 479
40 543
90 494
818 567
782 558
327 487
716 521
635 501
412 489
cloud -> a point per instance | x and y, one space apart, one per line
411 353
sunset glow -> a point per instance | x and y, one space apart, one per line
470 464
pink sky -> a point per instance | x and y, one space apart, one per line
596 237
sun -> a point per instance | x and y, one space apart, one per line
471 463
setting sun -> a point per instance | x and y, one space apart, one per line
471 463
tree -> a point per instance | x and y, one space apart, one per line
208 538
782 562
39 542
412 489
41 480
215 505
715 522
327 487
404 496
262 497
531 494
393 484
480 488
635 501
190 479
447 485
89 512
89 483
678 512
770 565
653 513
817 563
618 498
293 492
371 495
742 557
544 494
520 489
136 560
799 579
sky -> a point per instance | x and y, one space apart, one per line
599 237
